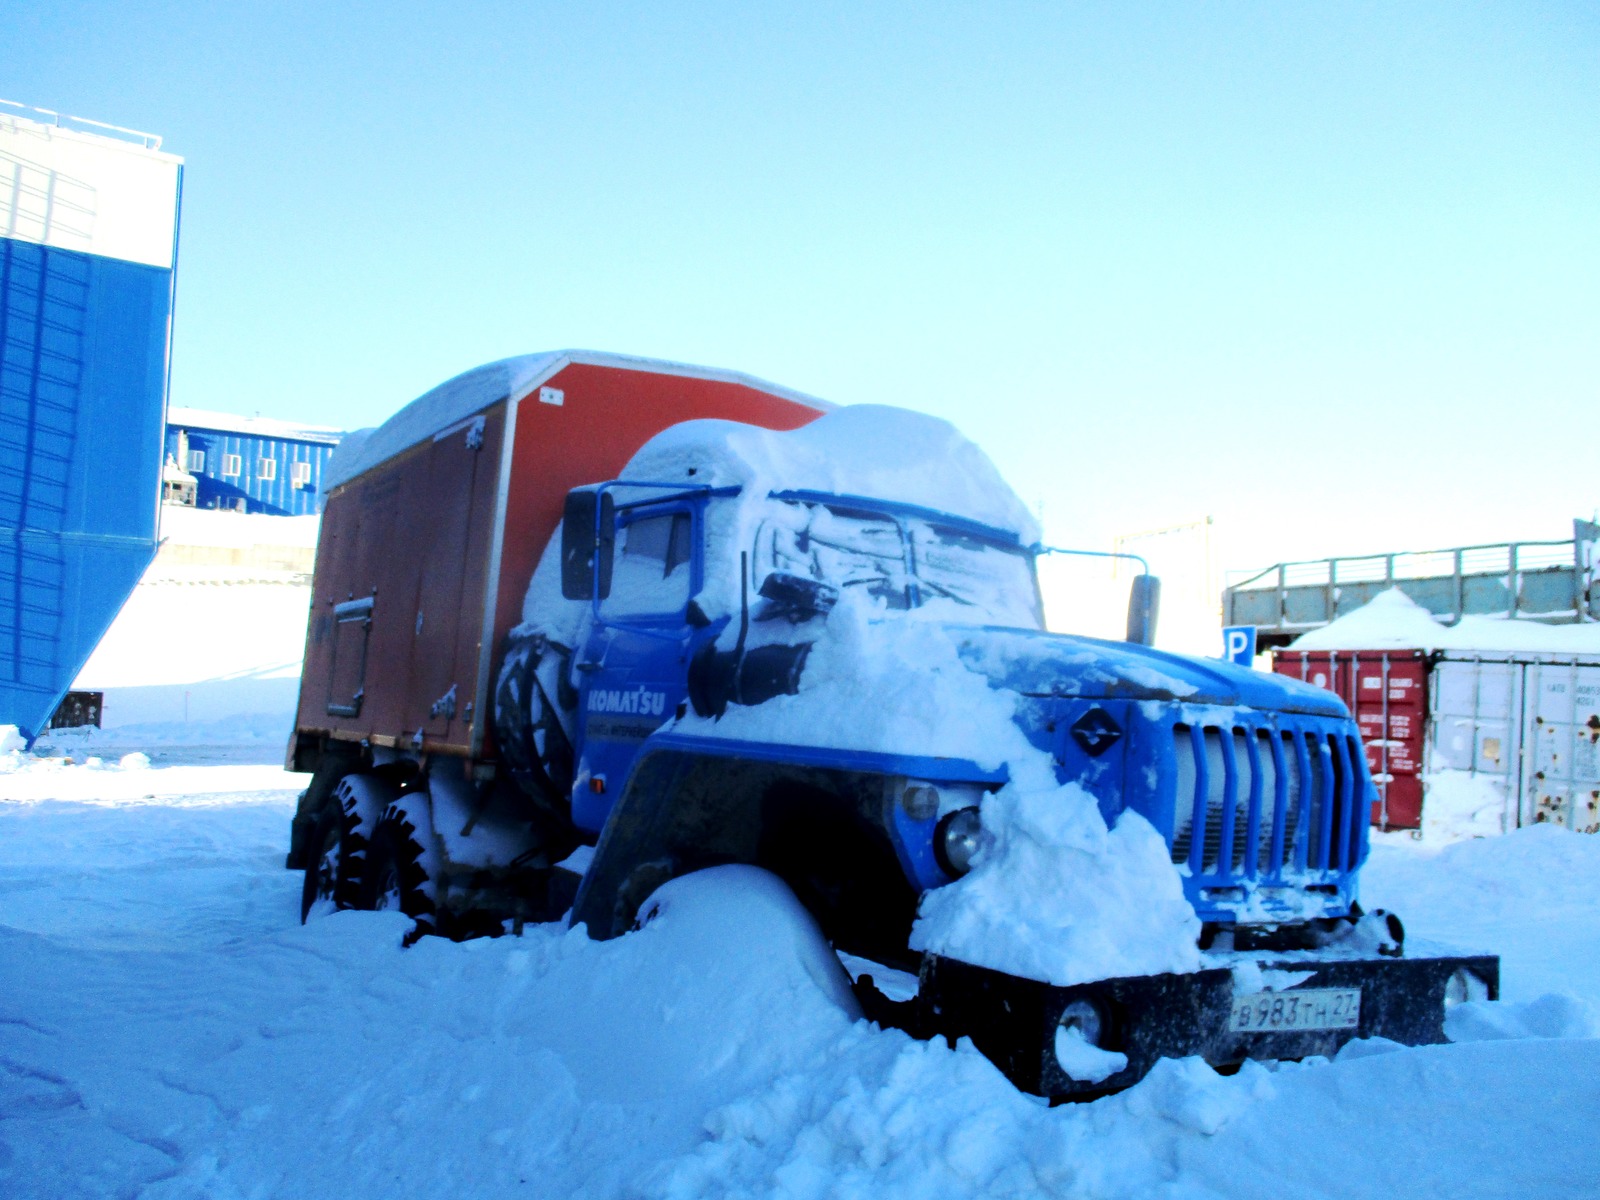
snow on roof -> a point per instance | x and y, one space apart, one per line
868 450
475 390
266 427
1392 620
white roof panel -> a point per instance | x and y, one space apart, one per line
93 192
266 427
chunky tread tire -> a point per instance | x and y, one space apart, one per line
324 858
403 861
336 862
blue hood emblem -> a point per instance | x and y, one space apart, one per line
1096 732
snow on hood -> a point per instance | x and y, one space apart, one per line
1057 896
868 450
1392 620
1054 664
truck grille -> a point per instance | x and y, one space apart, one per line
1264 801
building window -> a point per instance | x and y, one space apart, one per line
232 465
302 474
197 460
266 469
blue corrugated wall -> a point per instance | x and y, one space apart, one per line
83 351
278 495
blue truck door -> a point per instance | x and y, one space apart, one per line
635 661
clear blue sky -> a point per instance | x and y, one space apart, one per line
1330 272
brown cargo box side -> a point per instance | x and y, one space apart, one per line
423 553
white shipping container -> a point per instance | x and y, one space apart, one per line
1529 723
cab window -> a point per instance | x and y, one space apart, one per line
654 564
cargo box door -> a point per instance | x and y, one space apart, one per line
460 467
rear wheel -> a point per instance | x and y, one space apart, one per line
403 862
319 894
336 860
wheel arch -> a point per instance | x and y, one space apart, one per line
823 830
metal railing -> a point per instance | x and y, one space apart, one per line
1540 579
49 116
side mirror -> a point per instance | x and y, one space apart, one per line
588 543
797 596
1144 605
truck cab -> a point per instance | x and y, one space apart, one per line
1257 783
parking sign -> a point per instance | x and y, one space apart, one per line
1239 644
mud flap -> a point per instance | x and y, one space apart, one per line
1013 1021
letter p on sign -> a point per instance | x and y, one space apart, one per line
1239 644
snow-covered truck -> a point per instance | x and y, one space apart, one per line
583 624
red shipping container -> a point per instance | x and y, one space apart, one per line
1387 693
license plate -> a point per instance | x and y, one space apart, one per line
1286 1012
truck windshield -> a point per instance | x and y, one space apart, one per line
900 562
653 564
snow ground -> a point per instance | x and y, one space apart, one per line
168 1029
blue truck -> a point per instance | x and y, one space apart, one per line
644 716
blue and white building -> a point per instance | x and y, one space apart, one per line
88 253
252 464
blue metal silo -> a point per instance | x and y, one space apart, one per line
88 248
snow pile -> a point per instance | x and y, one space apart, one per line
1483 894
183 526
879 684
169 1030
1391 620
1059 897
197 657
1056 895
1483 1120
1084 1061
172 636
14 761
1554 1015
1461 805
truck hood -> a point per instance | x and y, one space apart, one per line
1052 664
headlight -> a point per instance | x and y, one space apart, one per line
957 839
1462 986
1085 1018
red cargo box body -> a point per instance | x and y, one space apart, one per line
429 542
1386 691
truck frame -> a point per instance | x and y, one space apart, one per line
508 724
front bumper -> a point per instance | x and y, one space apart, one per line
1013 1021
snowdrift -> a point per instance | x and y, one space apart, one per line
168 1030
